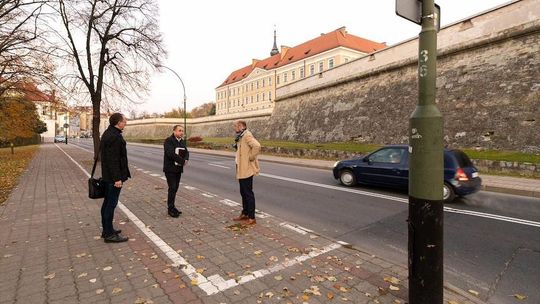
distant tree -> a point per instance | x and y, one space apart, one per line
203 110
176 113
19 119
113 45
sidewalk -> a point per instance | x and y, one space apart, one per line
51 252
494 183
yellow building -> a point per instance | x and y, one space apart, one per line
254 87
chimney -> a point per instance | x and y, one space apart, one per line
284 50
343 31
254 62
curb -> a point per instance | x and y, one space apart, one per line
485 187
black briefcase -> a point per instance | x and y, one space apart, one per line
95 185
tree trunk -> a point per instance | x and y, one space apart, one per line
96 121
12 152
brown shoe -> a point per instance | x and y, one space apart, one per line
251 222
242 217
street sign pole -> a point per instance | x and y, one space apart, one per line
425 222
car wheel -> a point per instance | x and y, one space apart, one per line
347 178
448 193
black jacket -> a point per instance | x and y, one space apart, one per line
114 162
170 157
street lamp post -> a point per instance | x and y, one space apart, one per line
426 163
184 89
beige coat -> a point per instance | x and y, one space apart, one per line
246 156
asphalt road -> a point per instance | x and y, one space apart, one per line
488 249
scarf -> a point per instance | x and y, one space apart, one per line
237 139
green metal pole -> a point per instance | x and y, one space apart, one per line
425 221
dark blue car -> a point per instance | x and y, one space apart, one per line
389 167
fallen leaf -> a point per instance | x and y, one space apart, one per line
194 282
392 287
237 292
200 257
451 302
474 292
520 297
182 286
143 301
329 296
50 276
201 270
258 252
97 237
274 258
278 278
392 280
116 290
331 279
269 294
153 257
80 255
167 270
8 255
107 268
92 280
82 275
100 291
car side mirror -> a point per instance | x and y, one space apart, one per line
366 160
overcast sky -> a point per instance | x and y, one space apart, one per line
207 40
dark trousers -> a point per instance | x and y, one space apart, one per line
248 197
173 181
112 194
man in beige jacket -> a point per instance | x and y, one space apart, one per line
247 166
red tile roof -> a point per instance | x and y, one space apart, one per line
323 43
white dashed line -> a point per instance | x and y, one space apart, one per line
219 166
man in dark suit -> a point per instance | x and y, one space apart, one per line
176 156
115 171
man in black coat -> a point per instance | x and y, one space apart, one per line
175 157
115 171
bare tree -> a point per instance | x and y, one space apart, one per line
19 35
113 46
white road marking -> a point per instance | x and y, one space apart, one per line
207 195
228 202
191 188
219 166
406 201
293 228
155 175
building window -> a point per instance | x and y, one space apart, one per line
257 97
257 84
252 86
311 69
264 96
277 79
293 75
270 96
321 65
285 77
251 98
269 81
263 82
302 72
346 59
330 63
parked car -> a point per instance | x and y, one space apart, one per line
389 167
59 138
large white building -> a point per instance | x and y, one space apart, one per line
254 87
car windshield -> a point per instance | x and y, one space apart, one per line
462 158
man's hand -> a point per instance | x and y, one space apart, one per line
118 184
185 162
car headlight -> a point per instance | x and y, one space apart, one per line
336 163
